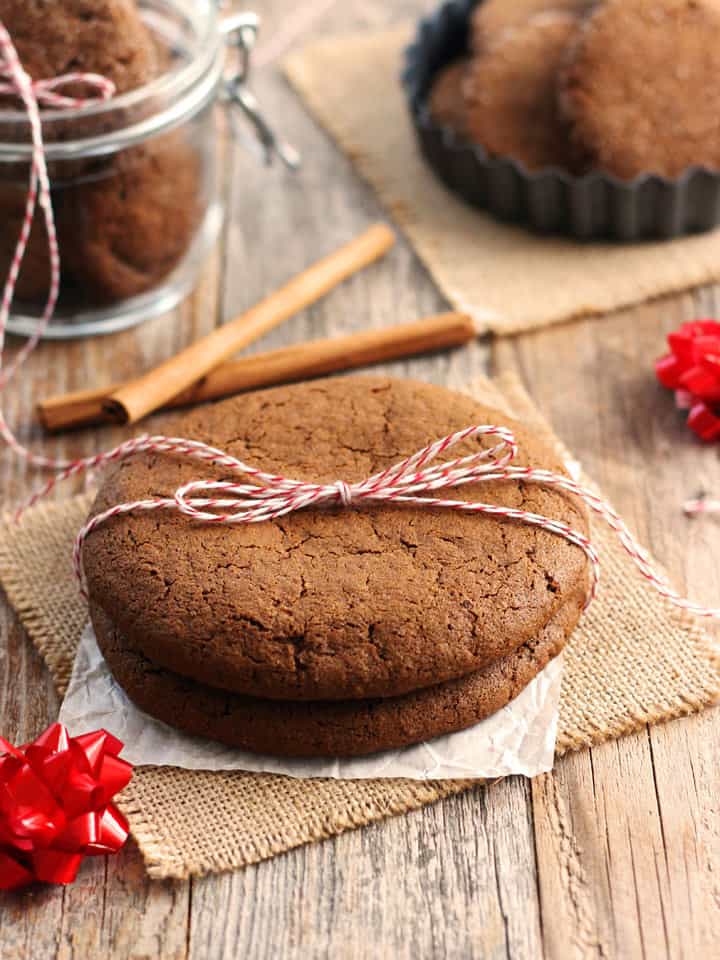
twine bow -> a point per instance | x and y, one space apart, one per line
270 496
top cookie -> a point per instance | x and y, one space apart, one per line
640 88
333 603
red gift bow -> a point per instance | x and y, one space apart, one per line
692 370
55 805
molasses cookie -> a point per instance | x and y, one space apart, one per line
492 18
640 88
327 728
333 603
447 98
126 225
511 93
54 37
33 281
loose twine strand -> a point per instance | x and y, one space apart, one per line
269 496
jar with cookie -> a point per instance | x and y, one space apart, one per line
126 91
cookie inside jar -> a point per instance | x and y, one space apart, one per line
132 177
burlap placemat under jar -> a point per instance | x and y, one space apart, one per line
508 278
633 660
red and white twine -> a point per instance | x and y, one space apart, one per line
255 496
701 505
18 83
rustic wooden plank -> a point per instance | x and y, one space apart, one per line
626 836
338 898
686 781
29 921
113 909
625 833
447 881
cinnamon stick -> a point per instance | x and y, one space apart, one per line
134 400
306 360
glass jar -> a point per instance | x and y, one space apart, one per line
134 179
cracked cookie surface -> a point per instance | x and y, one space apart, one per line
328 728
333 603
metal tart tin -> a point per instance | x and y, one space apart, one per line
592 206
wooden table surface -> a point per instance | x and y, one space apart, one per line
615 853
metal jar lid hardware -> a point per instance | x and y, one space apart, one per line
240 31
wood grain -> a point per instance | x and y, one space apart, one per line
614 854
627 833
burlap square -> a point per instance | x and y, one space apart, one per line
508 278
632 661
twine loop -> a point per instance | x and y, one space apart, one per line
32 93
19 83
344 493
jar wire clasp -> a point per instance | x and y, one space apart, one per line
240 31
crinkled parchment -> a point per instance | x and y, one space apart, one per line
519 739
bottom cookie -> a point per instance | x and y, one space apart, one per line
327 728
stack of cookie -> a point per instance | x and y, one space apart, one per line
626 87
332 631
123 220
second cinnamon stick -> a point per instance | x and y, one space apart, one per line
134 400
304 361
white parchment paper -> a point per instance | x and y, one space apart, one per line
519 739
